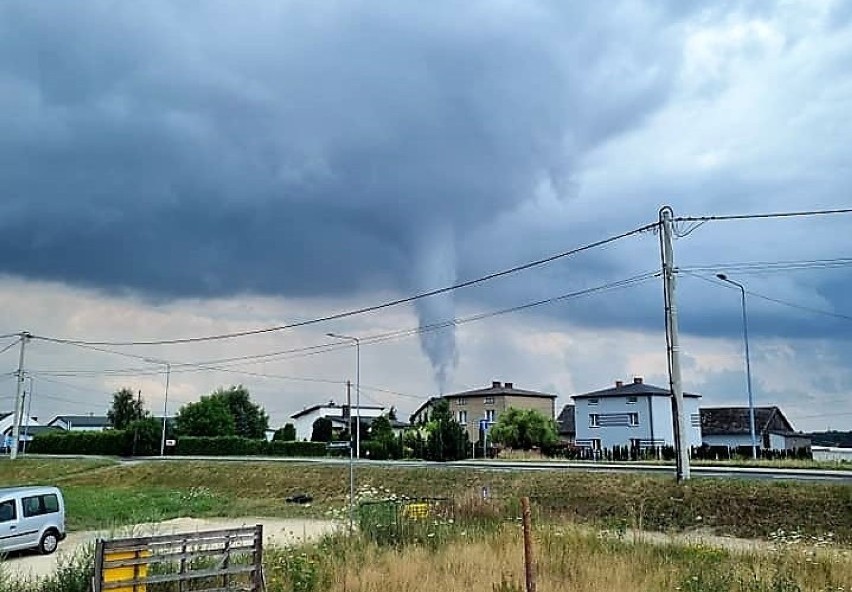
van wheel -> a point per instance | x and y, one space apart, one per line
49 542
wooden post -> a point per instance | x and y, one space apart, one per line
98 578
258 581
529 561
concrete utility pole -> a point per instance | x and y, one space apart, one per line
357 342
673 342
16 426
165 410
351 460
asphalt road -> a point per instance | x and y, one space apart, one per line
698 471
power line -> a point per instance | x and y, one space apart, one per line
10 346
772 266
324 348
372 308
774 300
800 214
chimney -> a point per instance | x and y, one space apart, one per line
618 384
508 385
637 380
495 384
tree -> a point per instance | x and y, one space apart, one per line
322 429
285 434
126 408
208 417
524 429
145 436
447 440
382 443
250 420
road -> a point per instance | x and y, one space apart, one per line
277 532
698 471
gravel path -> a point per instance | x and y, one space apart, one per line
277 532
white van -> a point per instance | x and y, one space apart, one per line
31 518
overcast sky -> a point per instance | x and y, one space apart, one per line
180 169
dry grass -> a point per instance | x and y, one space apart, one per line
568 559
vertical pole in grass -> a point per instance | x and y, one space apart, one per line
529 562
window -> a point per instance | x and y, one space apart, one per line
632 400
596 443
489 415
489 400
594 420
461 401
593 401
635 443
633 419
7 511
40 504
463 417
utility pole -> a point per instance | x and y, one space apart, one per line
165 410
28 406
16 426
351 460
673 343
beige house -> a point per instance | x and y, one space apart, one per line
471 407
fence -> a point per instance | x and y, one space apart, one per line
211 561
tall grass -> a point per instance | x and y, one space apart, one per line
74 574
568 558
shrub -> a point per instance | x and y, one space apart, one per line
279 448
219 446
109 443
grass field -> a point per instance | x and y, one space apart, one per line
568 558
103 494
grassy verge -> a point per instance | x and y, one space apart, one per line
567 559
125 493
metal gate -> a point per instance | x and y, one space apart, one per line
211 561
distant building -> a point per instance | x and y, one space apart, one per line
304 420
7 421
634 414
81 423
566 425
470 407
731 427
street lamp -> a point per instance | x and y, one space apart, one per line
725 278
165 402
357 388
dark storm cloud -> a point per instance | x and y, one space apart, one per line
299 148
302 148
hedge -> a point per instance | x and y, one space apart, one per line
120 443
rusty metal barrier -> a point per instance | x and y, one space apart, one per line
209 561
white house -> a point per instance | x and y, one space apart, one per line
634 414
80 423
7 421
304 419
731 427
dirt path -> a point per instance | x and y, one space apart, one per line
277 532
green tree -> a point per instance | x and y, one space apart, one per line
208 417
250 420
146 436
382 443
524 429
126 408
447 440
322 429
285 434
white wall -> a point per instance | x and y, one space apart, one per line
6 423
655 421
832 454
305 424
731 441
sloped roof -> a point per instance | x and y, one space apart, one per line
565 422
84 421
631 389
718 421
313 408
507 389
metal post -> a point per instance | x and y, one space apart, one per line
165 410
351 461
16 426
675 382
29 405
725 278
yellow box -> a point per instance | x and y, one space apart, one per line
416 511
128 573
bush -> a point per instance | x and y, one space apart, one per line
220 446
279 448
108 443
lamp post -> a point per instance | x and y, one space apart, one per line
357 388
165 402
725 278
